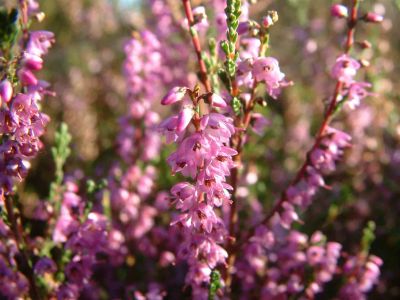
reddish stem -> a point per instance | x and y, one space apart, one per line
197 46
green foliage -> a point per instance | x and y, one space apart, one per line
92 188
368 237
8 28
60 152
232 11
223 76
215 284
237 106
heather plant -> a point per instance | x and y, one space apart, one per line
195 200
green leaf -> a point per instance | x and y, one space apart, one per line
368 236
8 28
236 106
215 284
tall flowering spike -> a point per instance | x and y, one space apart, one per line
22 121
204 156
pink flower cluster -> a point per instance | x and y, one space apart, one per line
21 121
90 241
203 155
344 70
322 159
14 284
361 274
287 264
142 69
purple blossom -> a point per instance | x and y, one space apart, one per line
345 69
45 265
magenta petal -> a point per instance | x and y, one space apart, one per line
6 90
217 101
184 118
174 95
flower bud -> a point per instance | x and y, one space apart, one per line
267 21
243 28
6 91
199 14
270 19
217 101
373 18
184 118
174 95
364 63
27 77
339 11
40 16
364 44
32 62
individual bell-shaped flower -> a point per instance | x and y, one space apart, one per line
373 18
218 101
6 91
184 118
176 94
345 69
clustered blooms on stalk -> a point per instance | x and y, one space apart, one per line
203 155
89 244
22 122
13 284
153 59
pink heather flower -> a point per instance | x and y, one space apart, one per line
267 69
200 18
174 95
243 27
32 61
345 69
33 7
251 47
45 265
243 73
267 21
78 271
184 118
218 101
356 92
68 291
373 18
168 128
6 91
315 255
40 42
339 11
258 123
288 216
27 77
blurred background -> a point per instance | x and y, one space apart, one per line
85 70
